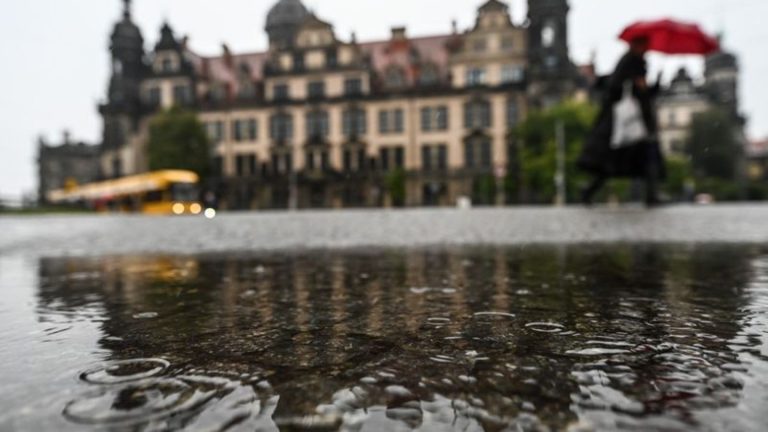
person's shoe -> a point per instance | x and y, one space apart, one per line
586 198
654 203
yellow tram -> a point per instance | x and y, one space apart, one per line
169 192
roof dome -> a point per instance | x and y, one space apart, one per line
283 20
126 35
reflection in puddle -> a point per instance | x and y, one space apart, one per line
621 337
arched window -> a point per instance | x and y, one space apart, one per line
354 122
281 127
477 114
478 152
395 77
317 125
429 75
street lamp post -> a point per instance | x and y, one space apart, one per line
560 175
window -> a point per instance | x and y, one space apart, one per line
218 92
281 127
513 113
507 43
316 90
240 165
434 157
215 131
166 65
317 125
117 67
477 115
247 89
353 87
281 92
511 74
245 130
282 163
298 62
354 159
354 122
153 96
429 75
549 34
477 153
331 58
551 62
391 158
395 77
317 160
252 165
181 95
434 118
391 121
475 76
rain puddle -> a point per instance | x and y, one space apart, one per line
478 339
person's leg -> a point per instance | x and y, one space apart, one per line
589 193
652 174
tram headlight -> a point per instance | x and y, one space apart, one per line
178 209
210 213
195 209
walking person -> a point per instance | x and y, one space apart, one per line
601 156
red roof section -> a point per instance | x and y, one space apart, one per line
383 54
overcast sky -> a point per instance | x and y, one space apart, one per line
55 62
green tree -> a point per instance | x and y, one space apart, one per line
395 183
177 140
537 150
714 145
679 177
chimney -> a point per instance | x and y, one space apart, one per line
185 42
227 56
67 137
454 27
399 34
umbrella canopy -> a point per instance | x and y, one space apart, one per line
672 37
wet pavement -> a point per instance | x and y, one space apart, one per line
259 231
612 336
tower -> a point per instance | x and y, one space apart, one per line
127 54
722 81
550 70
122 110
283 22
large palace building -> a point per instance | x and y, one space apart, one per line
317 121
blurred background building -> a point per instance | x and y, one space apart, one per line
66 164
684 98
322 120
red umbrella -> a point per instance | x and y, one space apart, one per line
672 37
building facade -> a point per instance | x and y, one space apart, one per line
66 165
318 121
683 99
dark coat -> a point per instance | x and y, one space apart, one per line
633 161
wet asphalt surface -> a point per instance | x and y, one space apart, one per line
486 321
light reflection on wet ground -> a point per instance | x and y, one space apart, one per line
537 338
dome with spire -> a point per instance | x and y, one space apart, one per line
126 37
283 20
